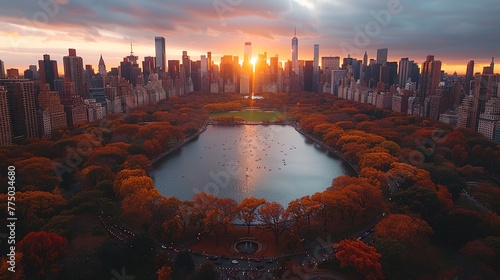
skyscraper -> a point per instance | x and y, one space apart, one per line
382 55
102 67
48 71
295 53
365 59
404 71
309 76
5 124
160 54
315 78
485 87
469 75
73 70
247 57
186 63
430 77
2 70
21 100
489 69
51 114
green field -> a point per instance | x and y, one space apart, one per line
251 115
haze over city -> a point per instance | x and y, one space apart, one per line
454 33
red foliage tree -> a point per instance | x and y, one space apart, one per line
42 251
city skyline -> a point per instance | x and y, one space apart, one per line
453 34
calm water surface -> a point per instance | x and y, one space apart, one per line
272 162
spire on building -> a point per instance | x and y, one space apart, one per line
131 51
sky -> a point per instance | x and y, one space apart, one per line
454 31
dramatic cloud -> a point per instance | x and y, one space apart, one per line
455 31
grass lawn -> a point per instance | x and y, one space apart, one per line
251 115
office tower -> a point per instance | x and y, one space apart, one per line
365 59
76 111
205 82
404 72
337 76
34 72
382 55
309 75
73 70
414 73
247 57
126 72
48 71
21 100
330 62
195 75
51 112
488 70
2 70
209 61
102 67
485 87
186 62
430 77
30 74
273 69
5 122
160 55
389 73
148 67
315 80
12 73
295 53
226 68
469 76
174 69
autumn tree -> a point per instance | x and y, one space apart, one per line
405 229
137 161
42 252
275 218
124 174
362 257
325 206
227 207
134 183
37 207
36 173
140 205
247 210
381 161
202 203
93 175
213 222
301 208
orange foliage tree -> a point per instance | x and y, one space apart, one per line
275 218
362 257
247 210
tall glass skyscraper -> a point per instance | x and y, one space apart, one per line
160 54
316 68
295 53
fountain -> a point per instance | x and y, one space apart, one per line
247 247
